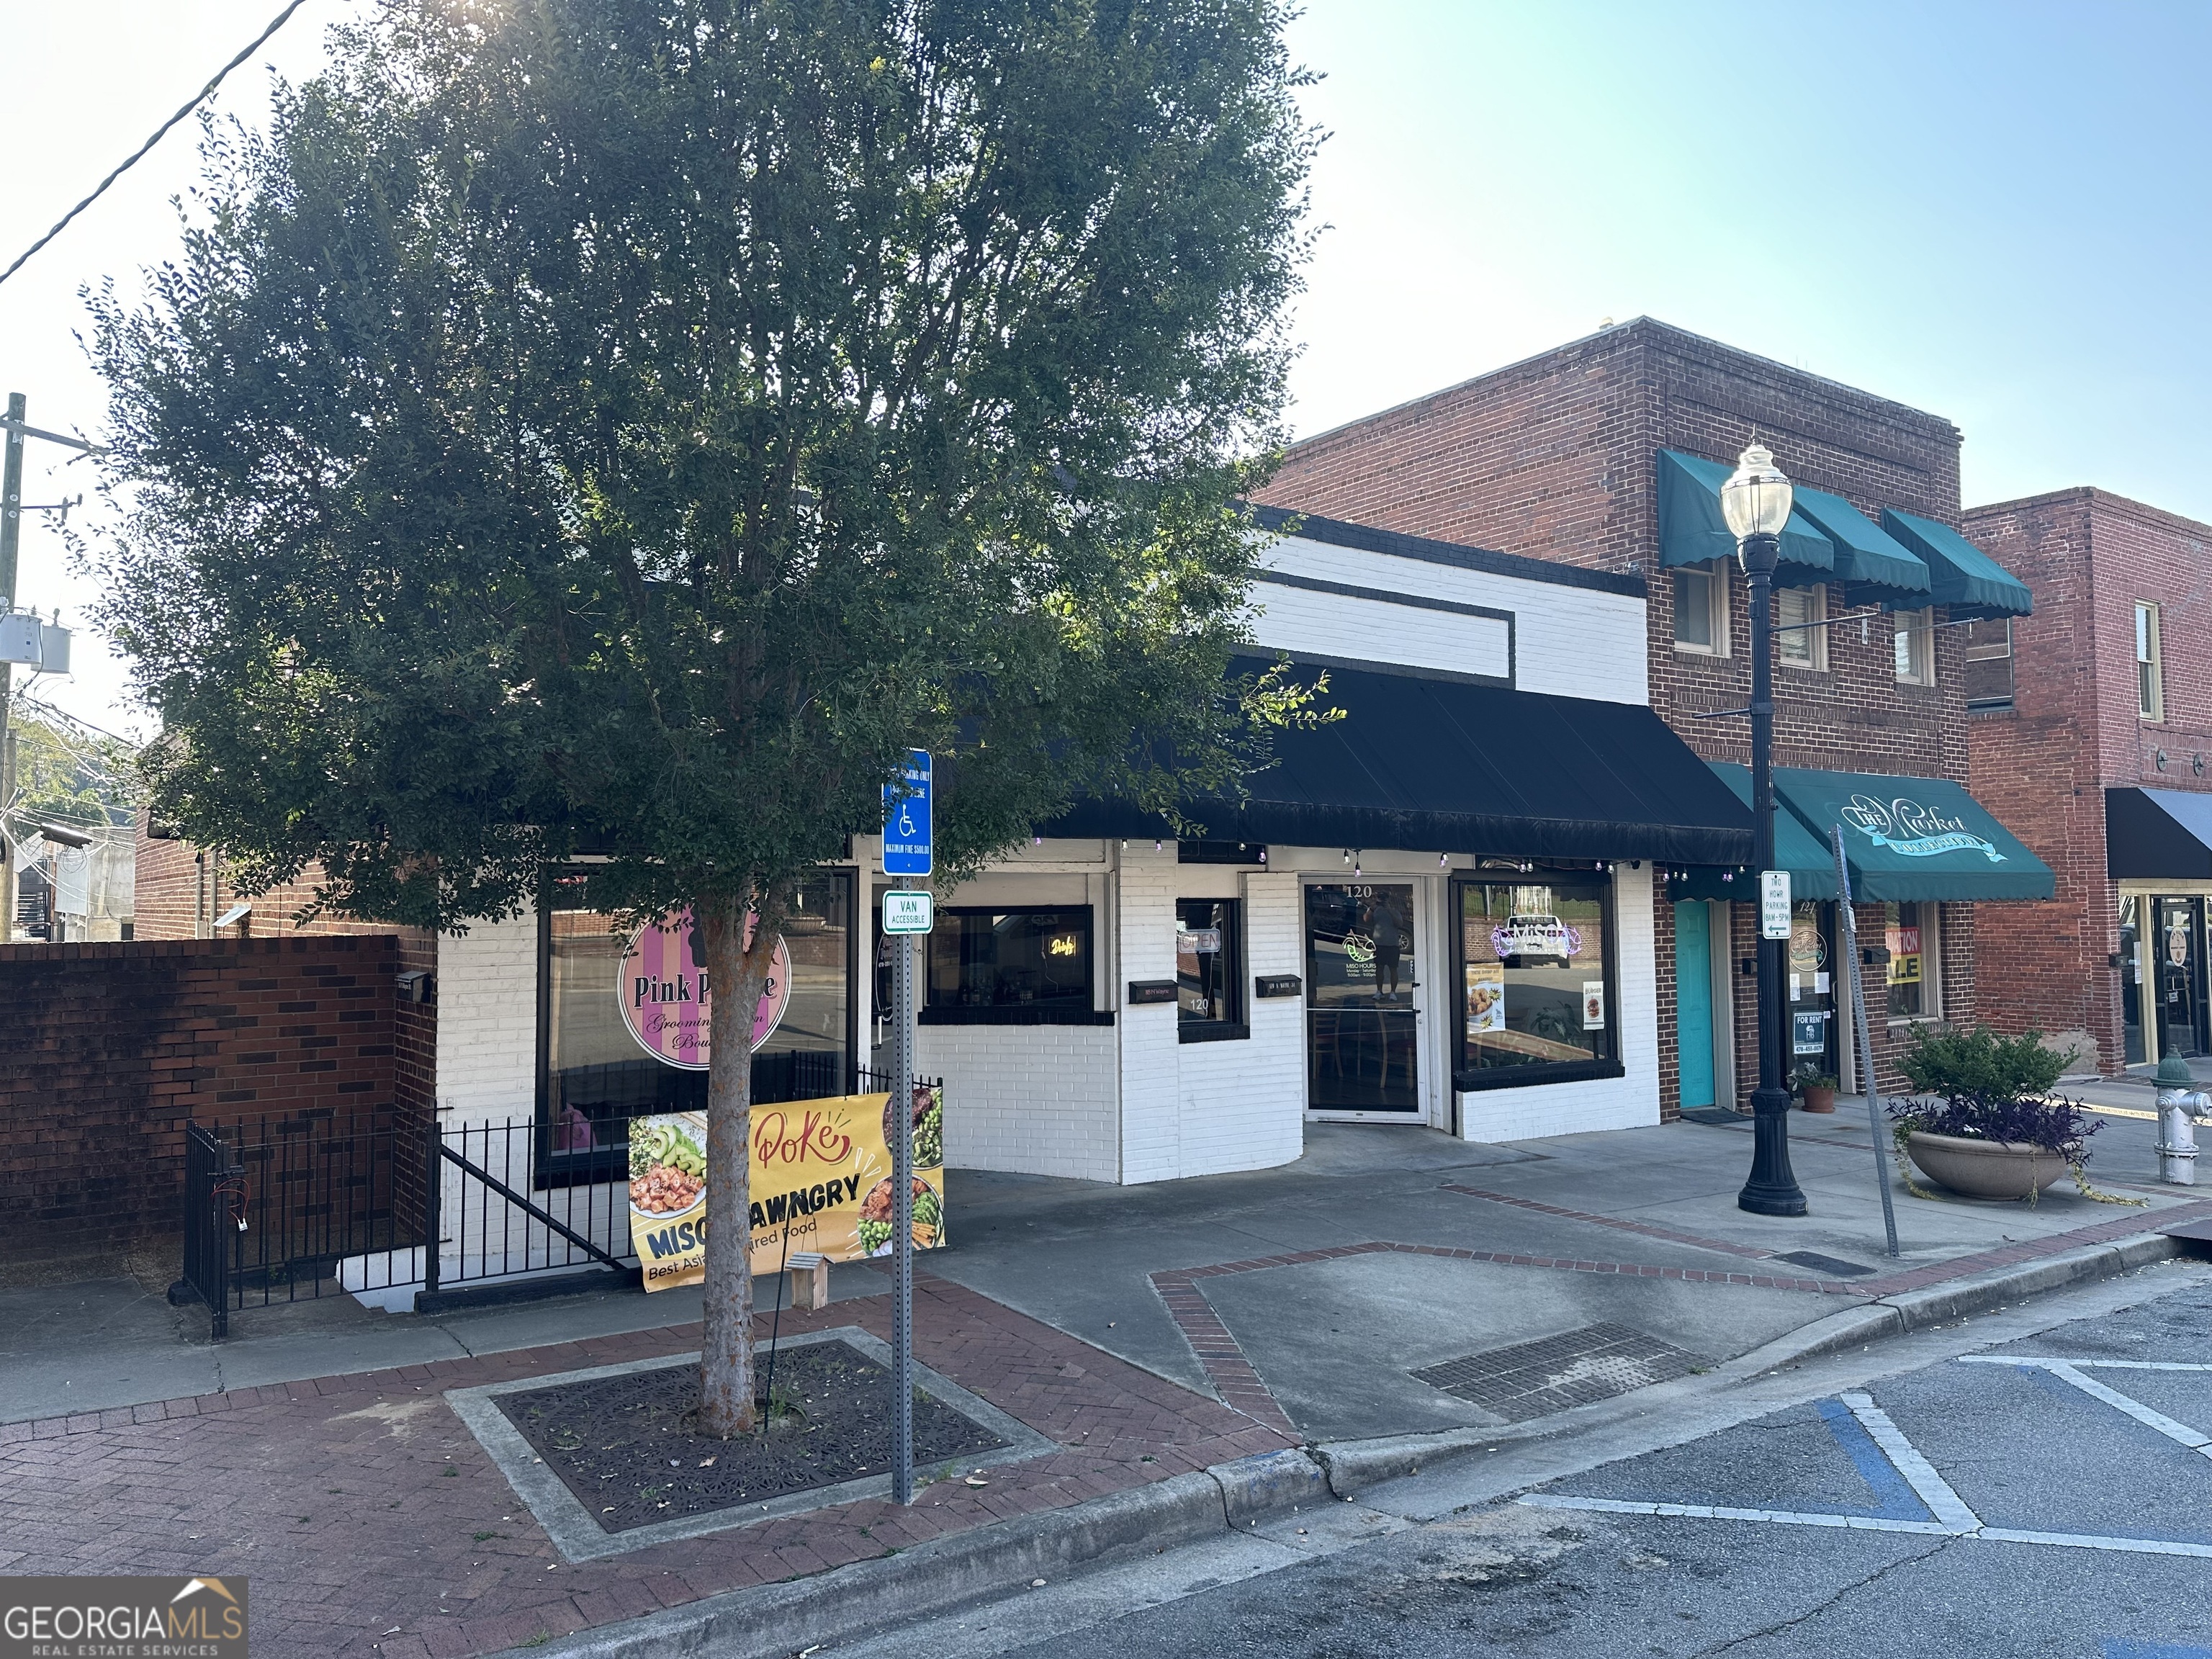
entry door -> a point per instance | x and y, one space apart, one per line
2179 944
1693 1002
1363 1006
1812 985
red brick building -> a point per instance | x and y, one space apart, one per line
1605 453
2093 740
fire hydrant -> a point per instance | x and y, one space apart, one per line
2179 1104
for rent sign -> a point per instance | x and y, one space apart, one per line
821 1179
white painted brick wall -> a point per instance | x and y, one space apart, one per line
487 991
1621 1103
1152 1109
1035 1099
1572 641
1243 1104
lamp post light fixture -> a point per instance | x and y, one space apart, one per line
1755 500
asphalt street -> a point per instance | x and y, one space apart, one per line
2046 1496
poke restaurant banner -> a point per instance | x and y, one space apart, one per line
821 1180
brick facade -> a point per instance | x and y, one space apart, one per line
108 1049
2074 727
1556 458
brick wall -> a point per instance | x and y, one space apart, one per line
108 1049
1556 458
2074 728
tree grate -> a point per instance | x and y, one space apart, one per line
1556 1373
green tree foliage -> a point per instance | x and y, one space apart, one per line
68 774
625 427
1982 1064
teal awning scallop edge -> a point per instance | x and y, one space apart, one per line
1877 566
1964 578
1692 529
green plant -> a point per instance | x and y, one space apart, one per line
1982 1063
1810 1076
634 427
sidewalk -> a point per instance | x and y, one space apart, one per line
1150 1333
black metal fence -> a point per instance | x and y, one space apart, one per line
374 1204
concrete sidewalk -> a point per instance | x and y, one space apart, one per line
1171 1343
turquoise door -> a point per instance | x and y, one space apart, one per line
1693 1002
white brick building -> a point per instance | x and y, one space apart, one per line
1437 911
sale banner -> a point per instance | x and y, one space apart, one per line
821 1180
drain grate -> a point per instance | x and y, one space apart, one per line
1834 1266
1535 1379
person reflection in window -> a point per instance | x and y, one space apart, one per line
1388 932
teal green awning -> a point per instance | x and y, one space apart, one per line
1905 839
1965 578
1876 567
1811 870
1692 528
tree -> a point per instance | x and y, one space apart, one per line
632 426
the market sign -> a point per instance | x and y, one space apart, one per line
666 1001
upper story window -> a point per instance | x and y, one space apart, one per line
1701 609
1989 663
2150 679
1916 647
1800 640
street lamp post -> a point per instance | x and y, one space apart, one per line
1756 502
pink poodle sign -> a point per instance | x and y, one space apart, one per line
665 1000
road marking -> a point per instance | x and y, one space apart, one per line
2071 1540
2118 1112
2066 1372
1934 1491
2100 1364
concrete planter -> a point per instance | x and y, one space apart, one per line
1985 1168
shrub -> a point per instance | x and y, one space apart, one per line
1982 1064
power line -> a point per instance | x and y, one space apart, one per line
205 92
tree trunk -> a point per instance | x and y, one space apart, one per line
738 968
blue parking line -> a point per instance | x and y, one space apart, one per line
2119 1648
1898 1502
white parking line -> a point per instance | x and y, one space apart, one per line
2065 1370
2099 1364
1716 1513
1934 1491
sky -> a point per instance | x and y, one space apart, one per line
1994 212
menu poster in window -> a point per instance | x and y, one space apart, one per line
821 1181
666 1001
1593 1005
1485 996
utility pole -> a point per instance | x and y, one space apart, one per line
11 530
11 533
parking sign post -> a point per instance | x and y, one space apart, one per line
908 850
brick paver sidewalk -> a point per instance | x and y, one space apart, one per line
369 1521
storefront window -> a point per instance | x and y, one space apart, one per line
1909 931
1209 980
1812 989
1535 976
598 1076
982 961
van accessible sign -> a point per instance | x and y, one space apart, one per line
666 1002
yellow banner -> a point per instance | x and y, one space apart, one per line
821 1178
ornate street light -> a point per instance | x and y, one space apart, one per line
1755 500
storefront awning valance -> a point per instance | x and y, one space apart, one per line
1812 868
2158 834
1876 567
1442 766
1904 839
1693 530
1962 576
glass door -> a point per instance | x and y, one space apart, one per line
2180 946
1812 989
1363 1041
2131 1013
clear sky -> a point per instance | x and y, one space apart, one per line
1993 212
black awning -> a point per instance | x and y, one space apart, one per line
2158 834
1440 766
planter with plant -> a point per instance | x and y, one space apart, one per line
1993 1128
1816 1088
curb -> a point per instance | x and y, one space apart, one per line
1354 1465
835 1606
840 1604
